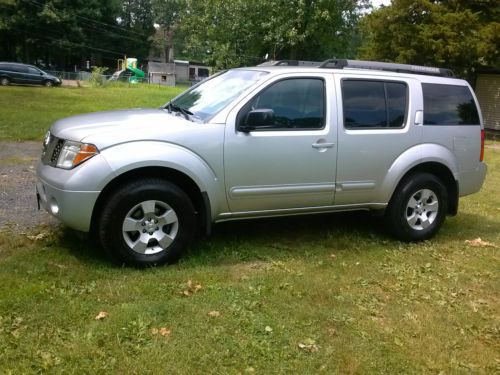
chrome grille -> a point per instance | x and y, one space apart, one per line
57 151
52 150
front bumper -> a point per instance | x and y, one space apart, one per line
70 195
72 208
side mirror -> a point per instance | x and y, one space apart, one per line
257 119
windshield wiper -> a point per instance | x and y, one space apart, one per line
176 108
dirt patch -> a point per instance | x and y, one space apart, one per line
18 207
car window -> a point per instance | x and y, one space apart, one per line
20 68
297 103
374 104
33 71
449 105
212 95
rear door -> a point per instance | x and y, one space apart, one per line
376 126
19 73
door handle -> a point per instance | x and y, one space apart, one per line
323 145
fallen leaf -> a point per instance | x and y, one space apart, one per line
478 242
398 342
214 314
38 237
191 289
161 331
268 329
309 345
101 315
331 331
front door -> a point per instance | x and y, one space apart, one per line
34 76
292 163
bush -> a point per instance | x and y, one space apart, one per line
97 77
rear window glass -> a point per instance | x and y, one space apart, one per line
374 104
449 105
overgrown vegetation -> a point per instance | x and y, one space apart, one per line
463 34
28 112
323 294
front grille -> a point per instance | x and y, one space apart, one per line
52 150
57 151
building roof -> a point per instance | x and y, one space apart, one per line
164 68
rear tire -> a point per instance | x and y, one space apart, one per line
418 207
4 81
147 223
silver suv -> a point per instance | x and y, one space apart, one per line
268 141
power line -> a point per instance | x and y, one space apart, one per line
64 41
89 19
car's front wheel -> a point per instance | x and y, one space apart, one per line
48 83
4 81
147 222
418 207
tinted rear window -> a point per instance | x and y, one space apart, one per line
374 104
449 105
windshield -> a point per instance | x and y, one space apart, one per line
212 95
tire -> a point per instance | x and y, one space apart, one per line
48 83
147 223
4 81
418 207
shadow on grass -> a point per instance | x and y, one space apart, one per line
289 237
84 248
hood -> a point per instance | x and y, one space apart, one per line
112 127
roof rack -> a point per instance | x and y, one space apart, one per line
291 63
391 67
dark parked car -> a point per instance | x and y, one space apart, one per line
25 74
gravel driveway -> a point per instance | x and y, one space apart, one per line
18 208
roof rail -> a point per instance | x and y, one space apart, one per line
391 67
291 63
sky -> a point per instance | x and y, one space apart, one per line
377 3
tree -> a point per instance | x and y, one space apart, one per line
459 34
167 13
68 33
239 32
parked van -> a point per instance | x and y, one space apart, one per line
25 74
403 140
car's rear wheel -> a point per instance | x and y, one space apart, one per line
147 222
418 207
4 81
48 83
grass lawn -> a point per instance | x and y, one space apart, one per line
322 294
28 112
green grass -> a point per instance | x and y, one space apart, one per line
28 112
355 300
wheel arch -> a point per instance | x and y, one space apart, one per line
442 172
199 199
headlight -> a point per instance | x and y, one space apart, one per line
74 153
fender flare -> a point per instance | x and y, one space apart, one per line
126 157
412 158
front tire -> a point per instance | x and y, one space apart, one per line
48 83
418 208
4 81
147 223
